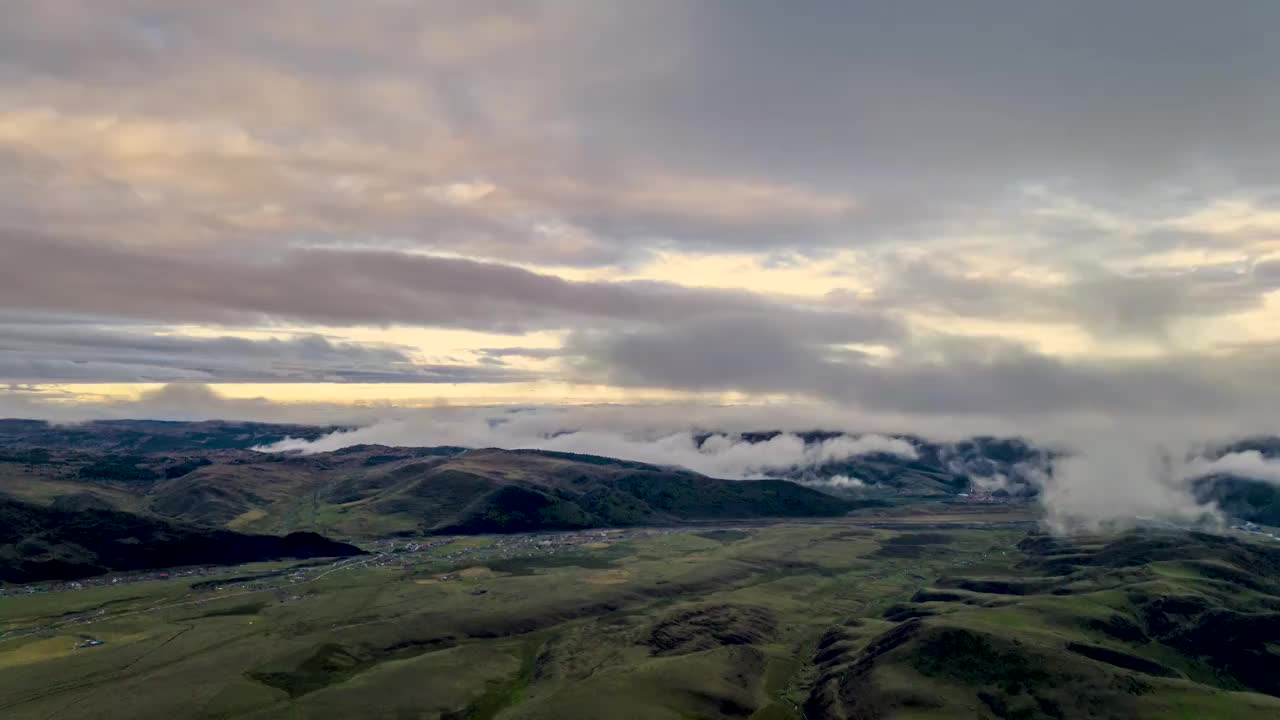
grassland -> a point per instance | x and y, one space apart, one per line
821 619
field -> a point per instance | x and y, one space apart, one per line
818 619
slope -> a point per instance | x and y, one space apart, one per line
50 543
374 491
1141 625
495 490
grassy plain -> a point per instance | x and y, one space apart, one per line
745 622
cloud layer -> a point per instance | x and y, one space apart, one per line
1108 471
1010 215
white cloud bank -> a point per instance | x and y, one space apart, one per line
1248 464
1116 469
719 455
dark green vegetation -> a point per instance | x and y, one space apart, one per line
1252 500
709 627
785 621
59 543
1143 624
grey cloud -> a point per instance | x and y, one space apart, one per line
930 376
1150 302
1105 303
346 288
358 133
1022 89
174 401
854 121
712 354
1268 272
92 354
171 171
533 353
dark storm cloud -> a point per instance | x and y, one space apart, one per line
92 354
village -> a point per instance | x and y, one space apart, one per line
407 553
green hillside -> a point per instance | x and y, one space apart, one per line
373 491
55 543
1101 627
816 620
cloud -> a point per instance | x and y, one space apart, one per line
497 355
71 353
1248 464
1143 304
422 140
1120 476
842 481
935 375
759 353
175 401
716 454
1108 472
367 287
1117 480
591 121
375 135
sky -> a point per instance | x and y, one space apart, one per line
908 214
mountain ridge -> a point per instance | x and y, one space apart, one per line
55 543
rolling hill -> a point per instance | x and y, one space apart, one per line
1107 627
375 491
514 491
60 543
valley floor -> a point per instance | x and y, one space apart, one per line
902 617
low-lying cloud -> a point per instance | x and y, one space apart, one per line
1104 473
1110 481
1096 479
718 455
837 482
1250 464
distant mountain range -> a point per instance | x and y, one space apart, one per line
1005 467
150 436
163 479
374 491
97 497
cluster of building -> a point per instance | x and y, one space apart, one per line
404 553
1253 529
409 553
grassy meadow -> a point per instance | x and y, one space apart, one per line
765 622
